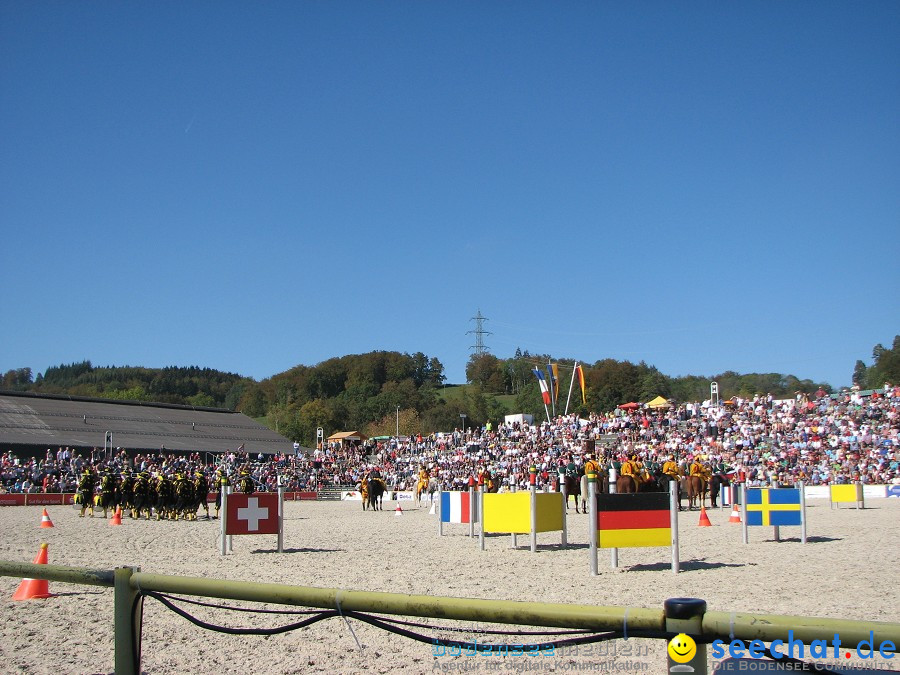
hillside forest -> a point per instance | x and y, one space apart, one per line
382 392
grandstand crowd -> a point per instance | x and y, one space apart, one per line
815 438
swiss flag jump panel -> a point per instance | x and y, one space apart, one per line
252 514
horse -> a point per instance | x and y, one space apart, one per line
676 485
627 485
573 487
694 487
422 485
433 487
377 488
717 481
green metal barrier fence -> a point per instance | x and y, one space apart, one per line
129 584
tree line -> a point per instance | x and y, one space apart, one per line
381 392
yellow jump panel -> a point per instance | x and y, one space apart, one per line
846 493
549 511
507 513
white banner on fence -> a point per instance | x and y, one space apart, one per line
874 491
351 495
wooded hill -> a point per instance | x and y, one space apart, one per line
373 392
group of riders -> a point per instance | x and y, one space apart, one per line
165 495
634 475
692 477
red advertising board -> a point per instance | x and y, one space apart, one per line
38 499
252 514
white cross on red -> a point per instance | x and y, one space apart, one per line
253 514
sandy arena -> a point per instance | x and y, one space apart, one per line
847 570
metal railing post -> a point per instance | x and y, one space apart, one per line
127 612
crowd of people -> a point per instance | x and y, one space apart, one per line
817 439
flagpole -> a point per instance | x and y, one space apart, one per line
571 384
550 377
543 387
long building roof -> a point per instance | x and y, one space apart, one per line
56 420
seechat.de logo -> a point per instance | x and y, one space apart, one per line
682 649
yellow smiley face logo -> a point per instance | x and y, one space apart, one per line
682 648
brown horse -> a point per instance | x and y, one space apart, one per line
572 487
377 489
695 487
626 485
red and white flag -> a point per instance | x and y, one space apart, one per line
252 514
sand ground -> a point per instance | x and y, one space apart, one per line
847 570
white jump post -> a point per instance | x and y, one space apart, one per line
481 511
613 552
472 507
673 509
592 523
280 516
440 514
802 513
223 510
744 533
230 537
532 478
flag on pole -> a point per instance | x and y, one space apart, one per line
580 374
545 393
554 380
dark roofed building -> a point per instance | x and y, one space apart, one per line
34 422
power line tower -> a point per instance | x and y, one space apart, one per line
480 332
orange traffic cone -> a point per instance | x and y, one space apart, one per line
45 519
399 511
31 589
704 519
117 517
735 514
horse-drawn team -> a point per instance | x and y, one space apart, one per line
174 495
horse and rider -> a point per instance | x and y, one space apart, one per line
372 487
425 483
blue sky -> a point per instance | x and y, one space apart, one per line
703 186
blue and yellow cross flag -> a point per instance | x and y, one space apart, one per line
774 507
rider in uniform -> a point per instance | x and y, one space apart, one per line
245 483
673 473
698 468
107 490
670 468
631 467
140 499
126 492
592 465
201 490
85 495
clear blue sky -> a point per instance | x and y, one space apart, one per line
251 186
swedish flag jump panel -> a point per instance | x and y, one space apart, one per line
771 507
